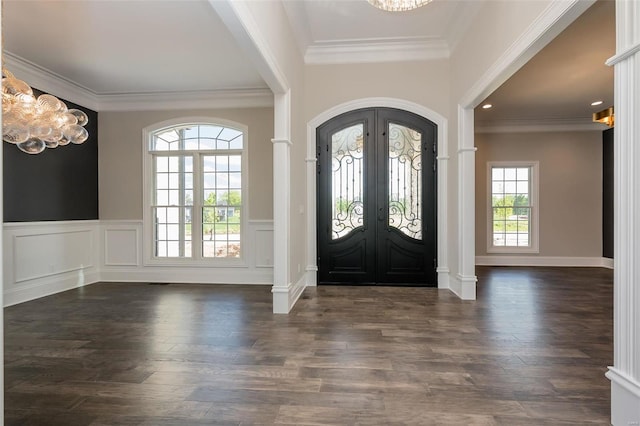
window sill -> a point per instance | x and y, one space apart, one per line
513 250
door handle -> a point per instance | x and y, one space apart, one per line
380 214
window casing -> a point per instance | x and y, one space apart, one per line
195 179
512 216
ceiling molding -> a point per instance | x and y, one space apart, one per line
50 82
462 19
539 125
557 16
240 21
299 23
47 81
369 51
234 98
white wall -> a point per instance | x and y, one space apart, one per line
570 189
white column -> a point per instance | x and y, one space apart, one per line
465 282
625 372
311 270
443 221
281 204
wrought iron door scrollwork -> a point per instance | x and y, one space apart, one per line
347 155
405 180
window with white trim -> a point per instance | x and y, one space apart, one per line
195 176
512 224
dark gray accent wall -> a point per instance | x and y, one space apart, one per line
57 184
607 193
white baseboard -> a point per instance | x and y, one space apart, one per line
297 290
463 286
597 262
625 398
607 263
312 276
48 286
443 277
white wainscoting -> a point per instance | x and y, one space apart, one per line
122 258
43 258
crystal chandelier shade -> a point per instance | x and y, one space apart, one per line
398 5
34 124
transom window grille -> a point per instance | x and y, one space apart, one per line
197 199
512 199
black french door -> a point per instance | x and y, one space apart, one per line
376 199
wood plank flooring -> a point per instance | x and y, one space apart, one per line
532 350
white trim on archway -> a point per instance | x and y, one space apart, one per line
439 120
552 22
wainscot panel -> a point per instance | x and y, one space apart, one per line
122 254
43 258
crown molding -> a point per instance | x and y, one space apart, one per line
232 98
383 50
557 16
50 82
539 125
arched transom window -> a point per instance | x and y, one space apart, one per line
196 200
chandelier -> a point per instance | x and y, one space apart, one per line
398 5
34 124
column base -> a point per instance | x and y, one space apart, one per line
285 297
625 399
464 286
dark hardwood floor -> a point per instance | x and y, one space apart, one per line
532 350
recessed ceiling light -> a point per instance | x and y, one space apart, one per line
596 103
486 106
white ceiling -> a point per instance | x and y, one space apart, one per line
334 23
151 46
134 46
560 82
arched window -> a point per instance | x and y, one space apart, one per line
194 183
